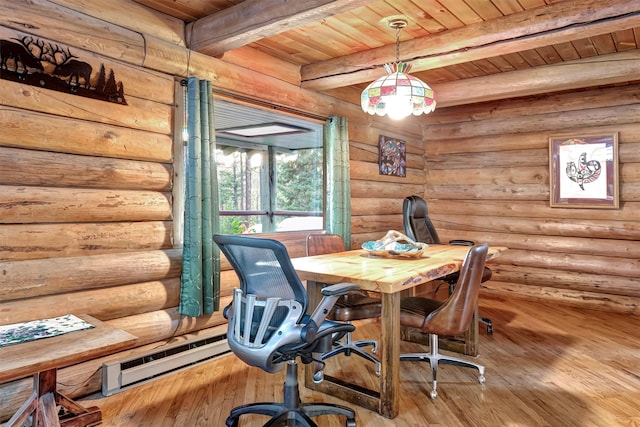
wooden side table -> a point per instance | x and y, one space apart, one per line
42 358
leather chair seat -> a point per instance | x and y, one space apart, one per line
356 307
414 311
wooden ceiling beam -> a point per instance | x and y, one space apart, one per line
252 20
587 72
543 26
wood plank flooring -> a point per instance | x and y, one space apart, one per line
546 365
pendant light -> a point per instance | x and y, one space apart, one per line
398 94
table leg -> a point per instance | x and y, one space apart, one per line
47 414
390 355
337 387
43 405
472 335
76 415
26 409
386 402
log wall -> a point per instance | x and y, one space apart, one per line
86 186
488 180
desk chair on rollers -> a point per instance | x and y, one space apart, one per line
450 317
418 226
269 327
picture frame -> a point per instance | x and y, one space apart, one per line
583 171
392 156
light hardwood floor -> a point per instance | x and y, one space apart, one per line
546 365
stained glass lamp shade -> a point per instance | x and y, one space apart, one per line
398 94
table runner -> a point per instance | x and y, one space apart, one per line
43 328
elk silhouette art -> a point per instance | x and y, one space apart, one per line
36 62
68 67
20 54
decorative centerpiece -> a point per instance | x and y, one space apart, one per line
395 244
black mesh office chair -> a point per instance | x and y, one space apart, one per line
449 317
418 226
269 328
354 306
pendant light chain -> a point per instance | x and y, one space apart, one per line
398 25
398 29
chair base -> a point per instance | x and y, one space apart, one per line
291 410
435 358
348 347
283 416
487 322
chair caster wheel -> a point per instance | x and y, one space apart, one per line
481 379
350 423
489 329
434 394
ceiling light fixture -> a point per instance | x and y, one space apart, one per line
264 129
398 94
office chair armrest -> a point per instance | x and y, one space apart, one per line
461 242
339 289
226 312
330 295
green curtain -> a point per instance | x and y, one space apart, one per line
338 180
200 281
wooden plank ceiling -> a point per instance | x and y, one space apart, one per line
339 46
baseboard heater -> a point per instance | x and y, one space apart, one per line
123 374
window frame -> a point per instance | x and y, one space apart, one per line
180 144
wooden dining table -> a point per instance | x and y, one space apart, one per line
391 277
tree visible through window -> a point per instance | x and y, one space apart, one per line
270 184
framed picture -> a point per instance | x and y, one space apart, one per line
392 156
583 171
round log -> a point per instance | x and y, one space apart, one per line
27 205
33 278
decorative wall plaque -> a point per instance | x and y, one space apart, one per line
48 65
583 171
392 156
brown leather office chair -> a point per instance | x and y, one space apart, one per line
353 306
449 317
418 226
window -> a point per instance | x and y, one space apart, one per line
270 170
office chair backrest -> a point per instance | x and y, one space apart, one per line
268 309
417 225
263 267
320 243
455 315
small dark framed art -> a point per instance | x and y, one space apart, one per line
392 156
